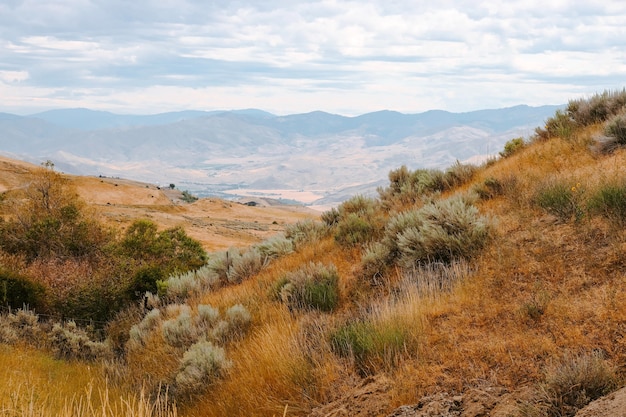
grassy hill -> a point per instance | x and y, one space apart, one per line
505 280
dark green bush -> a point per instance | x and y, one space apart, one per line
17 291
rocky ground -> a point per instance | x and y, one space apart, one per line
371 398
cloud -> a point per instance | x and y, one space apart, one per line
290 56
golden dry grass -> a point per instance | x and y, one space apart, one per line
543 289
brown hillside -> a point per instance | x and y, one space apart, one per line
217 224
493 290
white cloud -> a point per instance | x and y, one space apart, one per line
13 76
341 56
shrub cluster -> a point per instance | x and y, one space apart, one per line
22 326
68 341
583 112
411 187
179 327
357 220
232 266
442 231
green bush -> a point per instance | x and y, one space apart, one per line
359 220
313 286
458 174
187 197
17 290
610 201
561 199
512 147
560 125
409 187
354 230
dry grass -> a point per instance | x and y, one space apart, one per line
35 385
543 287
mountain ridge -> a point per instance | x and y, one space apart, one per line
213 152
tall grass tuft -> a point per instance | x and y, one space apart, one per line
571 383
609 201
561 199
313 286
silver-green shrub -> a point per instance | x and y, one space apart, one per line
139 332
207 317
306 231
374 262
239 319
275 247
246 266
22 326
181 330
68 341
201 364
449 229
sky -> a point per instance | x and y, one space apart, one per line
292 56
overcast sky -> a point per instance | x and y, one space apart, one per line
290 56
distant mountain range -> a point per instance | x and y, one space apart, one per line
313 158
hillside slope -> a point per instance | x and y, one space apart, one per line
493 290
